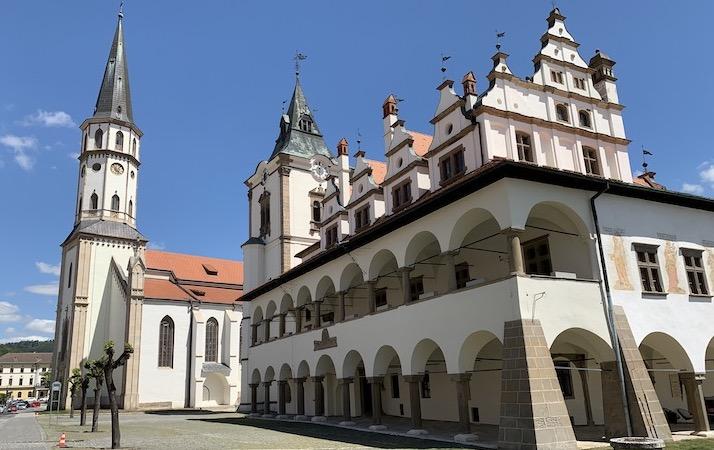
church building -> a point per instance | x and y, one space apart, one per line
179 312
505 276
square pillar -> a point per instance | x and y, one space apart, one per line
254 398
414 400
319 396
695 399
282 385
341 306
266 399
461 380
300 394
266 329
317 320
281 325
376 386
406 284
533 411
346 407
372 295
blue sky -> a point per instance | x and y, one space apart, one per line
208 80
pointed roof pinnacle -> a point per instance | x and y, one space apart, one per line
114 99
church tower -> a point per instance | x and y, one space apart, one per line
93 298
285 195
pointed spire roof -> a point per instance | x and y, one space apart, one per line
114 100
299 133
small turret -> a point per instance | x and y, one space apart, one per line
343 177
469 84
603 76
390 117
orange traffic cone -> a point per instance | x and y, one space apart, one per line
62 441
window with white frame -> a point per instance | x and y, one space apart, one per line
524 147
591 164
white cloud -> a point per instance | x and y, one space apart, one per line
695 189
9 312
41 326
10 330
44 289
49 119
707 173
156 246
43 267
20 145
24 338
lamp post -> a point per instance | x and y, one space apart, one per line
34 379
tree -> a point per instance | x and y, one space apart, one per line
75 382
96 371
84 386
109 365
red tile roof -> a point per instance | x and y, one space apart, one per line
379 170
422 142
161 289
196 268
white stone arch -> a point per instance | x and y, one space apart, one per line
422 245
270 310
471 347
325 287
570 208
581 340
382 360
325 365
382 259
657 345
286 372
286 303
471 219
303 369
352 275
350 363
304 297
257 316
215 390
287 307
255 376
426 350
269 374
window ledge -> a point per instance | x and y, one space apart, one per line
654 294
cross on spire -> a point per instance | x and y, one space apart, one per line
298 57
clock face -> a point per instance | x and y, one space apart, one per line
117 169
319 172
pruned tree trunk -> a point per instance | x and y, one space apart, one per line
83 403
110 364
97 403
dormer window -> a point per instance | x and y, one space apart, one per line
452 165
556 77
579 83
402 194
561 113
362 218
331 236
210 270
305 124
584 118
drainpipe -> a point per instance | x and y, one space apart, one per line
605 283
189 363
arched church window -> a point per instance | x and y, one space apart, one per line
316 211
98 138
133 147
584 118
561 112
115 202
212 340
166 342
131 208
94 201
119 141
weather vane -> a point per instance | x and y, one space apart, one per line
121 9
359 140
282 109
444 58
645 152
499 36
298 57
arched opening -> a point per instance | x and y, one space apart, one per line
211 354
133 147
360 398
325 379
708 384
667 363
325 294
584 118
119 141
304 310
257 326
273 322
386 278
98 138
316 211
131 208
352 284
561 113
479 249
303 372
423 255
394 397
286 376
556 243
481 356
287 308
437 391
215 390
577 356
166 342
115 203
94 201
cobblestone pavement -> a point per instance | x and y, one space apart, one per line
20 431
208 430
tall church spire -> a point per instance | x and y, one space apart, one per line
299 133
114 100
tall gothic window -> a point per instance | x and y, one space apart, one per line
166 342
98 138
131 208
94 201
212 340
133 147
115 202
264 202
119 141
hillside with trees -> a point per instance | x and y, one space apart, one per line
27 347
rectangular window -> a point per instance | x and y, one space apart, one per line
696 277
536 257
264 203
649 268
452 165
416 287
9 382
556 77
308 316
462 274
425 386
31 380
402 194
22 370
331 236
380 297
579 83
590 158
20 383
565 379
328 317
395 385
362 218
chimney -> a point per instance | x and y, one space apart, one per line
603 76
343 178
389 118
342 147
